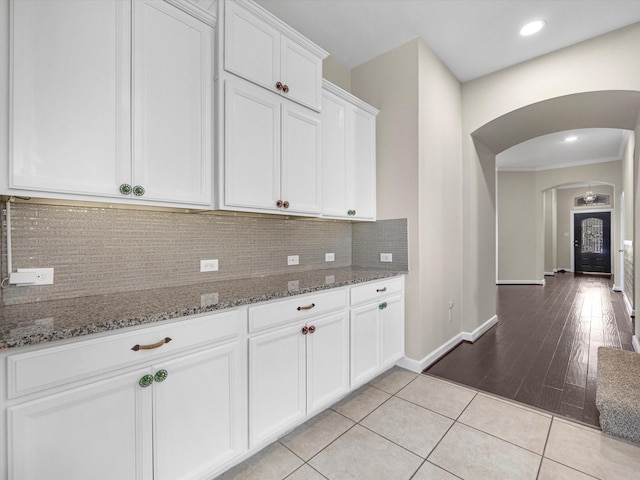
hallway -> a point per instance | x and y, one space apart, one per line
543 351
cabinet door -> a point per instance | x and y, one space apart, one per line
327 361
251 47
335 145
301 150
277 388
252 147
362 167
172 95
301 72
70 96
392 327
365 343
198 413
102 431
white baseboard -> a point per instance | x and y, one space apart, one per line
636 344
627 304
418 366
521 282
549 274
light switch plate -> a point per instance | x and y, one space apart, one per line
209 265
386 257
329 257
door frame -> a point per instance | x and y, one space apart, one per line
612 236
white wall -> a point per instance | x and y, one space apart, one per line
419 177
336 73
601 64
550 231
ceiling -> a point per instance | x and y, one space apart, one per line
473 38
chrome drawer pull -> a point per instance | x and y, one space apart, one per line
308 307
135 348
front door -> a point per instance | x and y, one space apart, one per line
592 242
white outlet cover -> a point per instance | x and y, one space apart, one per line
44 276
209 265
329 257
293 260
386 257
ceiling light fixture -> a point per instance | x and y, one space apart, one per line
532 27
570 139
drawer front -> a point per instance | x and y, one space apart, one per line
301 307
53 366
372 291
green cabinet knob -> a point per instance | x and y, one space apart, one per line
351 212
382 306
161 375
138 191
125 189
146 381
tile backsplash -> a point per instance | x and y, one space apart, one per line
97 250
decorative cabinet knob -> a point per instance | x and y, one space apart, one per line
304 330
351 213
382 306
285 204
279 86
279 204
285 88
138 191
146 381
312 328
125 189
161 375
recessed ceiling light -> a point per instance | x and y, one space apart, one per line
532 27
572 138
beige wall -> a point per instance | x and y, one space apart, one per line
336 73
516 230
550 231
601 64
418 171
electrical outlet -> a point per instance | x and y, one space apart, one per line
209 265
293 260
44 276
386 257
329 257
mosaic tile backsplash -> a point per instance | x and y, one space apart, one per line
96 250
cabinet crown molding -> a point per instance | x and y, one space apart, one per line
334 89
204 10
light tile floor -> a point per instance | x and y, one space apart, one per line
405 426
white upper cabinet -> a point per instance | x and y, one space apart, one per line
265 51
348 156
272 153
172 110
110 99
70 78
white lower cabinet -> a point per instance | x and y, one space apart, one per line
176 416
376 329
296 371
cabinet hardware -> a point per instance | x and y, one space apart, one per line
161 375
285 204
308 307
135 348
125 189
305 330
279 85
351 212
138 191
382 306
312 328
146 381
384 289
279 203
285 88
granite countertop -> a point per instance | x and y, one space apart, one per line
43 322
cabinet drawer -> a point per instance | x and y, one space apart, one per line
52 366
298 308
372 291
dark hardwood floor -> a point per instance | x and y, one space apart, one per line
543 351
